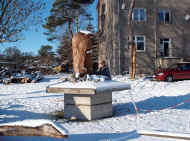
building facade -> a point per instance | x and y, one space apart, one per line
161 30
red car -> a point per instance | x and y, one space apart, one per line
180 71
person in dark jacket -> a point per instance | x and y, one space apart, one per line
103 70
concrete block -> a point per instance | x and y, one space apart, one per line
84 112
100 98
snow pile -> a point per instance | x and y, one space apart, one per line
36 123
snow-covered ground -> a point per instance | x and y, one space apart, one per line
30 101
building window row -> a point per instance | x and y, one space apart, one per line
164 16
165 45
140 15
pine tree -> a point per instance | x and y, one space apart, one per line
90 26
64 16
63 22
64 50
46 55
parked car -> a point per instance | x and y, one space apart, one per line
179 71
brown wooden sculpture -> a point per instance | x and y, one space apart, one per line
81 49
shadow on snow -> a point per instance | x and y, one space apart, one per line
81 137
9 115
154 103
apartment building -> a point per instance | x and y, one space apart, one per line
161 30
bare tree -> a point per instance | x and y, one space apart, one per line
16 16
131 40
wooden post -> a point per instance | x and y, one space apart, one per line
130 30
167 135
134 62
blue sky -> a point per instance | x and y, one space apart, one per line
33 39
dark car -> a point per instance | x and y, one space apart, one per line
180 71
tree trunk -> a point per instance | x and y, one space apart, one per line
131 41
69 28
77 23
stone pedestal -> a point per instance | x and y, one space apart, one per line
88 100
88 107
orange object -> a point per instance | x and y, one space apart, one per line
82 53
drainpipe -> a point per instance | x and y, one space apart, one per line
156 31
119 38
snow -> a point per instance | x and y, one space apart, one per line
85 32
36 123
98 86
168 134
30 101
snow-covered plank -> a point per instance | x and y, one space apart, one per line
88 87
70 90
33 128
85 31
164 134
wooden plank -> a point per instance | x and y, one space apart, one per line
72 99
165 134
101 111
70 90
88 87
81 112
101 98
43 130
73 112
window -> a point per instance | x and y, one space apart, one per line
164 16
139 14
140 43
185 67
165 47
